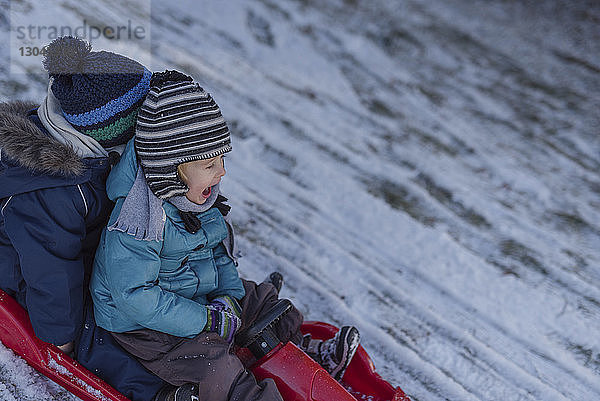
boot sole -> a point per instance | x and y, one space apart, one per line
346 348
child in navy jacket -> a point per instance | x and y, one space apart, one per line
53 203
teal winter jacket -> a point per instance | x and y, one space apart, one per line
160 285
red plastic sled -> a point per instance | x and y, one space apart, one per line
297 376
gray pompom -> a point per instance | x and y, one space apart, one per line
65 55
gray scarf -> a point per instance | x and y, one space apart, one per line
142 214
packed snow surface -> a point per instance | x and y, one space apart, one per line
426 170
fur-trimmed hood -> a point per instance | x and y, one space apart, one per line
24 143
33 159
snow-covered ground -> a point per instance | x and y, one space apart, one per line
427 170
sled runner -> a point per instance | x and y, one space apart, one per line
297 376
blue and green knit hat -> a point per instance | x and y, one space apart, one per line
100 92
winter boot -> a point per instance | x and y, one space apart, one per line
187 392
335 354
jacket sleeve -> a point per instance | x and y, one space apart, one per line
47 229
132 268
229 279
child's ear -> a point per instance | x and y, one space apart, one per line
181 174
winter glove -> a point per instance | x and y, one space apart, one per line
227 303
223 322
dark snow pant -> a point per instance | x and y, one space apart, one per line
207 358
98 352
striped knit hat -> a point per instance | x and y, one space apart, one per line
179 122
99 92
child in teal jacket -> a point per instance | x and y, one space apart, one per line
165 280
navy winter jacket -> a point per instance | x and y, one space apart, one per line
50 222
53 207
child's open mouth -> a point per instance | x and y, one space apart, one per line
206 192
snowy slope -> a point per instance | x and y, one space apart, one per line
426 170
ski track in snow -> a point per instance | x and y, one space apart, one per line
424 170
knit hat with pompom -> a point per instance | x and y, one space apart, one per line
100 92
